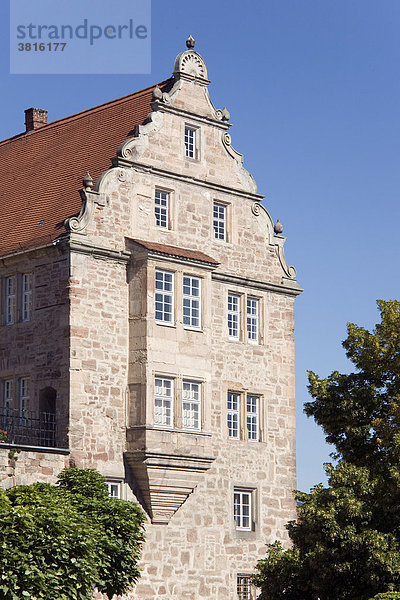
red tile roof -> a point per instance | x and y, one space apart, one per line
42 170
174 251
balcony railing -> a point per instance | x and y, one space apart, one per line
29 428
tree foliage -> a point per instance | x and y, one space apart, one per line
346 542
60 542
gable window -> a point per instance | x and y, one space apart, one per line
252 418
242 509
234 316
191 399
192 301
243 587
26 296
191 142
10 300
164 296
163 398
253 319
233 415
161 208
219 221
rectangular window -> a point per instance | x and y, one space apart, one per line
252 418
243 587
23 396
242 509
114 489
192 301
253 319
10 305
26 296
191 398
219 221
233 415
234 316
163 399
161 207
7 394
190 142
164 296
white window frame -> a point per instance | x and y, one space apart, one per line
191 302
191 142
243 509
162 295
233 414
7 394
244 586
253 319
252 417
114 489
220 220
10 295
234 314
23 395
165 400
26 296
191 404
162 208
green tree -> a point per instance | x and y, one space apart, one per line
346 542
60 542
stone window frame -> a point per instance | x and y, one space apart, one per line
169 208
195 142
254 417
234 412
243 430
7 393
243 325
238 312
177 402
217 220
171 398
253 318
253 491
114 483
17 303
246 591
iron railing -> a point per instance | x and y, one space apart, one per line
29 428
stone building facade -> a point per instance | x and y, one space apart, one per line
148 328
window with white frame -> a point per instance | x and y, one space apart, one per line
164 296
7 394
191 142
243 587
242 506
10 300
233 414
234 316
252 408
23 395
191 405
114 489
253 318
219 221
163 401
192 301
161 208
26 296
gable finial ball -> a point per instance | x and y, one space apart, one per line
190 42
278 227
88 181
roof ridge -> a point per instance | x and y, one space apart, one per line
82 113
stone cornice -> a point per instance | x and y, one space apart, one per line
288 286
149 169
143 253
168 108
81 247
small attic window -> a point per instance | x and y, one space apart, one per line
192 135
41 222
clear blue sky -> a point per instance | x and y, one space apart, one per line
313 90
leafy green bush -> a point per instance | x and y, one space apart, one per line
59 542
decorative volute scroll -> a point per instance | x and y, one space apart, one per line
190 65
133 147
78 223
